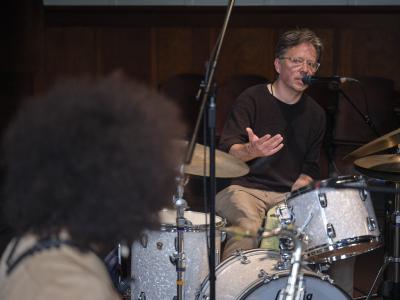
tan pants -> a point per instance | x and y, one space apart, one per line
246 208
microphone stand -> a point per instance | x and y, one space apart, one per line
204 90
334 86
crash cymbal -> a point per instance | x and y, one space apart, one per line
389 140
226 165
385 166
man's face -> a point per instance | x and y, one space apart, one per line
296 63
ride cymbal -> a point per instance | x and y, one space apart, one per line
385 166
389 140
226 165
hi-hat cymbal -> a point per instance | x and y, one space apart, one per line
226 165
386 141
385 166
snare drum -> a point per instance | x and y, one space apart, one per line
338 218
253 275
154 276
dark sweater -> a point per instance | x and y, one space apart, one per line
302 126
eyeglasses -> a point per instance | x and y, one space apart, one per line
299 61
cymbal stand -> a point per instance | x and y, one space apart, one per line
295 284
178 257
206 95
391 288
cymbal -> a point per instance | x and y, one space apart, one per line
385 166
226 165
384 142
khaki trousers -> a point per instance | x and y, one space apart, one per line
245 208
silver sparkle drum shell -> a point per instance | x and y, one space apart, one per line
254 273
338 218
154 276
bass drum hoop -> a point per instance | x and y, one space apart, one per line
261 281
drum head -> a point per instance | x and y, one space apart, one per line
314 288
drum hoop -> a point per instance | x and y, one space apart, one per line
227 262
375 241
332 182
193 228
261 281
171 227
326 183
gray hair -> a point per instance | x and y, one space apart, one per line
296 37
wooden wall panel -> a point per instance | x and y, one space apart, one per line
370 52
69 52
124 49
247 51
152 44
328 66
181 50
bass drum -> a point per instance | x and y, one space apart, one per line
252 275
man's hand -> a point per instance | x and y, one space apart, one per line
301 181
264 146
257 147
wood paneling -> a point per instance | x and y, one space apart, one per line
181 50
125 49
247 51
152 44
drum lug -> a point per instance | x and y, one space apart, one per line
371 224
330 230
142 296
327 278
285 214
363 194
223 236
262 274
243 258
266 277
159 245
144 239
323 201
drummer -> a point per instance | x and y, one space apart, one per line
278 131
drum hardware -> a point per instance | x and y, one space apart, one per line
242 258
286 247
285 214
330 231
295 283
371 224
322 199
178 258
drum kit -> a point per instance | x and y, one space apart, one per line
327 221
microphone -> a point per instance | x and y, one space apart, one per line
309 80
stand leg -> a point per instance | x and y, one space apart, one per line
391 286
